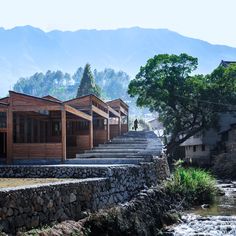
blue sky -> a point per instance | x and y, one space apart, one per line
211 20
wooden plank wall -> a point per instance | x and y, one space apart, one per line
5 100
82 144
26 151
114 130
79 102
124 128
25 102
99 136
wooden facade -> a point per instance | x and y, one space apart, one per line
47 128
99 111
123 110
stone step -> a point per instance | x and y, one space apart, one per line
121 146
114 150
106 161
130 139
127 142
103 155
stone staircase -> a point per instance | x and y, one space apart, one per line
133 147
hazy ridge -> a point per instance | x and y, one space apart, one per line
26 50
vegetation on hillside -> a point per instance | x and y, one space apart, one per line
186 103
113 84
64 86
196 186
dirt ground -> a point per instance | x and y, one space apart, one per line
16 182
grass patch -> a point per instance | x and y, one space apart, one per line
196 186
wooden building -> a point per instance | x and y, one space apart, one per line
47 128
122 109
100 113
36 128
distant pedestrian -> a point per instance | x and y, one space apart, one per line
135 124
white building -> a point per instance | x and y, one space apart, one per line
200 147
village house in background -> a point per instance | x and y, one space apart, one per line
202 147
46 128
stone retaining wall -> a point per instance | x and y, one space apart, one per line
73 171
39 205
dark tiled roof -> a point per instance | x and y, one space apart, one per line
227 63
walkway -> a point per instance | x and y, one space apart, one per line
133 147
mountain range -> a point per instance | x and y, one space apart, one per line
26 50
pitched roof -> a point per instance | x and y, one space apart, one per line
89 95
51 98
30 96
120 100
4 99
227 63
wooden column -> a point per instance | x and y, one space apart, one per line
119 125
17 128
127 123
4 144
38 128
91 133
25 130
63 134
9 135
32 130
108 129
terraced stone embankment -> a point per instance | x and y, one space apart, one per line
119 170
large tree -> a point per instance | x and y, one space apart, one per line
186 104
87 84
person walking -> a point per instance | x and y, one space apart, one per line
135 124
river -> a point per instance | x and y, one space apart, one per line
218 219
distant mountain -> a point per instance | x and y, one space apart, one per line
26 50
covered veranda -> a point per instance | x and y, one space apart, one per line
38 128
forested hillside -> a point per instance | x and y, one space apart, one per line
114 84
64 86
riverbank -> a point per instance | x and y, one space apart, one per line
224 166
146 214
217 219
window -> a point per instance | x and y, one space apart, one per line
225 136
56 128
203 147
3 119
194 148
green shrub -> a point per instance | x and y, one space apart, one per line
196 186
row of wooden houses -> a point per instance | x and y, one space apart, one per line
47 128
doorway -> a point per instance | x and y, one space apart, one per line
3 145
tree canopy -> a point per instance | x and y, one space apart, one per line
87 84
186 103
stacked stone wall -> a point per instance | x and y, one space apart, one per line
33 206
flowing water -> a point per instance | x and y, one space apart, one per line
217 220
